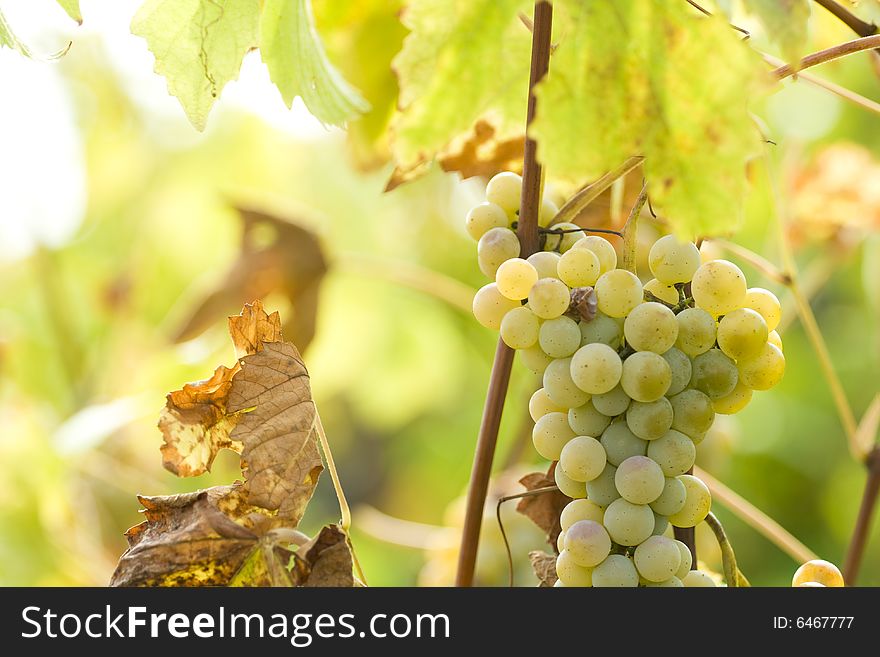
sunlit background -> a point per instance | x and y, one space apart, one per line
121 255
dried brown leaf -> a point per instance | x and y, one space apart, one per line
543 509
252 327
325 561
544 566
584 303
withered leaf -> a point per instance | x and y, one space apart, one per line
543 509
325 561
252 327
584 303
544 566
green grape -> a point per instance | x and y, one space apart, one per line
639 480
672 498
657 559
549 298
519 328
515 278
550 434
612 403
682 369
587 542
570 573
674 452
548 212
587 421
742 333
693 413
560 337
484 217
560 539
620 443
661 523
714 373
490 306
618 291
546 263
582 458
766 304
601 328
774 338
495 247
718 287
697 579
672 261
596 368
696 331
616 571
581 509
560 386
687 560
579 268
540 404
666 293
645 376
535 359
603 250
650 326
671 583
504 190
763 371
696 506
568 486
602 490
628 523
734 402
649 420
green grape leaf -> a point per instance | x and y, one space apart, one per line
72 9
199 46
785 22
298 65
653 78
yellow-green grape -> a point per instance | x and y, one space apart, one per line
617 292
601 328
581 509
766 304
718 287
484 217
560 539
763 371
693 413
639 480
540 404
649 420
596 368
570 573
734 402
672 261
546 263
582 459
497 246
548 213
696 331
687 560
628 523
587 542
505 189
742 333
671 583
620 443
671 500
561 387
602 490
650 326
645 376
775 339
674 452
603 250
661 524
578 268
819 571
490 306
549 298
681 367
666 293
519 328
550 434
616 571
568 486
657 559
697 579
714 373
535 359
696 505
560 337
515 278
612 403
587 421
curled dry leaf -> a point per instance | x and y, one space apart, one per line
543 509
584 303
544 566
325 561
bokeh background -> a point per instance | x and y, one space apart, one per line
122 250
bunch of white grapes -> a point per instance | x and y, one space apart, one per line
633 376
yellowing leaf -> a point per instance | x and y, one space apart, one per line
298 65
72 9
785 22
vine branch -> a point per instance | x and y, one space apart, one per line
853 22
863 522
829 54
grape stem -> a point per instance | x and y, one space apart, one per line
564 231
827 55
852 21
863 522
732 574
508 498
